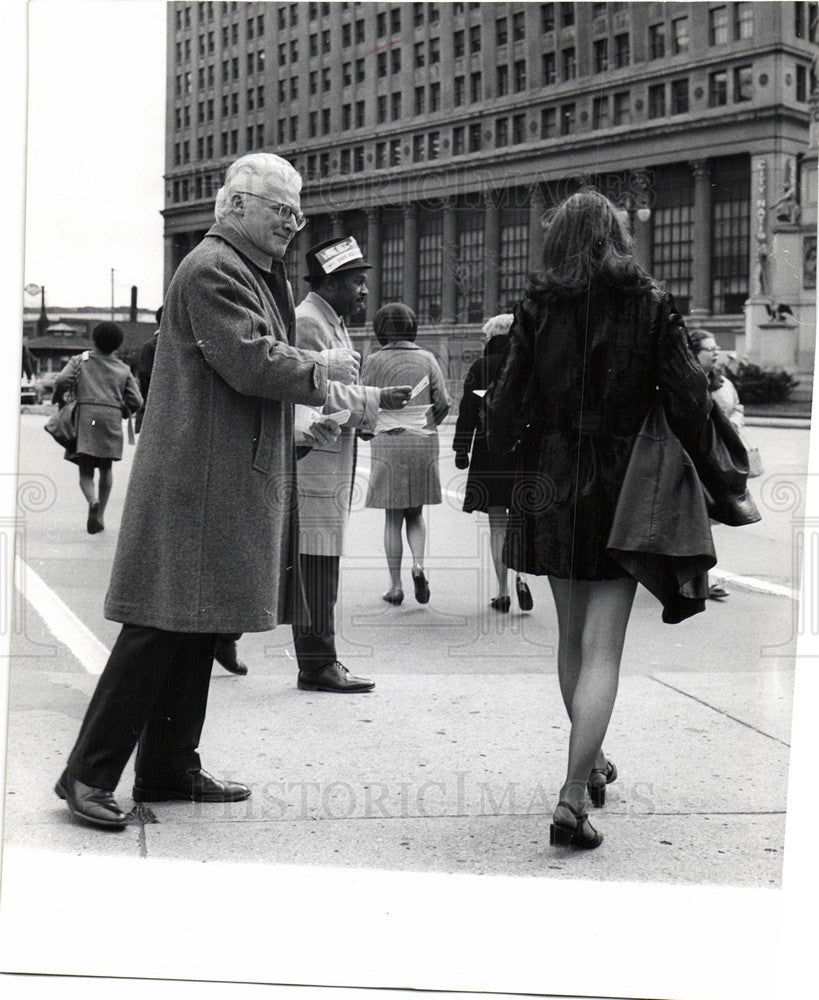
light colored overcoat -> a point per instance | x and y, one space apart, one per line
208 535
325 475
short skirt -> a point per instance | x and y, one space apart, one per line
404 471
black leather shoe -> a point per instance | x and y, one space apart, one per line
333 677
94 805
195 786
93 524
419 581
225 656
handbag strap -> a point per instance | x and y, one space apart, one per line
82 359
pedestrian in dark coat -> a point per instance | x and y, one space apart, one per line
144 370
208 536
491 476
591 342
105 391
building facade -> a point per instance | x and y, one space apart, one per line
440 133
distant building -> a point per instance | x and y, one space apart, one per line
70 333
439 134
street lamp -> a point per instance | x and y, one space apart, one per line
32 289
636 200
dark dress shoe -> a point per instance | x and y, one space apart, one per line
419 581
333 677
225 656
195 786
94 525
94 805
525 601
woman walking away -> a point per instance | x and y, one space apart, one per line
404 473
490 479
105 391
592 340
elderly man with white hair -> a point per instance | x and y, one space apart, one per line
209 534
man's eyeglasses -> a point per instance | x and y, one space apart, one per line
284 212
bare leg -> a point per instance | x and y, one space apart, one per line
394 548
416 535
590 687
497 533
106 482
571 598
87 486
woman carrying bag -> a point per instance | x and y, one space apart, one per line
105 392
594 346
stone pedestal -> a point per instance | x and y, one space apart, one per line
785 265
768 342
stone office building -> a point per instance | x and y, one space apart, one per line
440 133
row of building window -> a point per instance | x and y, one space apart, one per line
671 237
205 150
673 98
514 27
206 75
508 78
725 21
606 110
429 52
288 16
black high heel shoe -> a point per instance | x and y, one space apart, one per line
524 595
501 603
566 835
419 581
596 787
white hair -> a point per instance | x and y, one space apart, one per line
240 173
497 325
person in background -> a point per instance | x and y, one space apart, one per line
215 492
337 274
404 476
105 391
226 654
491 477
724 394
144 367
593 342
29 364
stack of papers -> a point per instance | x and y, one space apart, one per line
412 419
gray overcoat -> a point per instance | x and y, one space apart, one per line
209 531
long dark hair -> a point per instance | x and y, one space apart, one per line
587 245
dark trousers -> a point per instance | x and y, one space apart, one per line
154 690
316 643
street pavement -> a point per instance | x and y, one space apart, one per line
399 798
452 764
